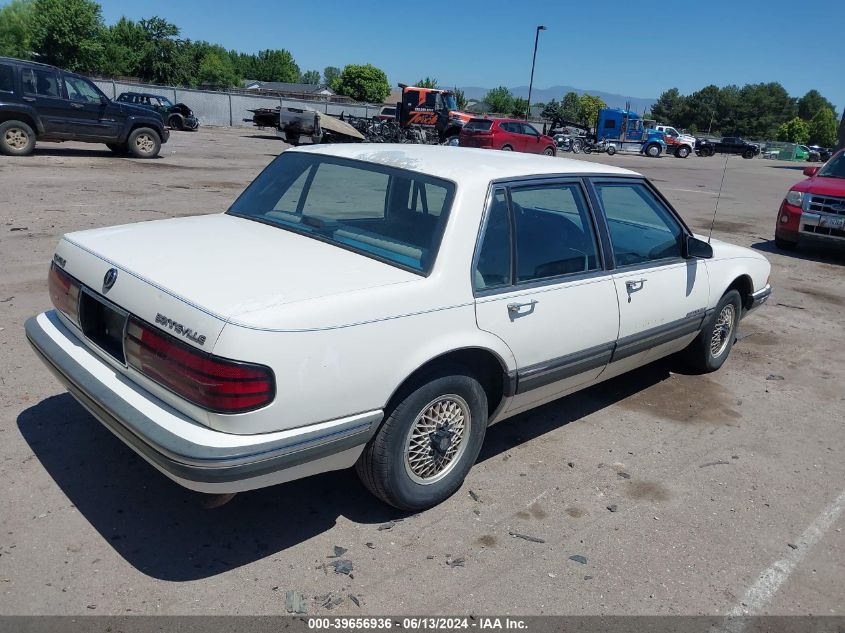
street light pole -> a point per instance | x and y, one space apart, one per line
533 61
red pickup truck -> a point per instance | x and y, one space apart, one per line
814 209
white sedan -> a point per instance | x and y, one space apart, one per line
379 307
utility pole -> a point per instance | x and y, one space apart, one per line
533 61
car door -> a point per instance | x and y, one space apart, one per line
41 88
531 139
662 296
511 136
542 287
91 118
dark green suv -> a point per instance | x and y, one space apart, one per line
176 115
45 103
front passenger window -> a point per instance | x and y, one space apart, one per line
641 229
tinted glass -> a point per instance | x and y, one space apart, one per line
7 83
80 90
40 82
124 98
835 167
478 126
641 228
493 267
528 129
391 214
554 232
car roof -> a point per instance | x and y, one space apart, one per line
462 164
27 62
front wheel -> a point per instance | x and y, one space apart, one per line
175 121
549 151
16 139
710 349
611 150
577 146
429 441
749 153
507 148
144 142
653 150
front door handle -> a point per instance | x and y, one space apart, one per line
30 99
516 307
78 106
635 284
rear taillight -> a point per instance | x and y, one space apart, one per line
213 383
64 292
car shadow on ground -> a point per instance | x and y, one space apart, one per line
84 153
800 167
166 532
815 252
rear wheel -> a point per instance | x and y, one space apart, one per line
549 151
507 148
429 441
144 142
710 349
176 122
611 150
682 152
749 153
576 146
16 139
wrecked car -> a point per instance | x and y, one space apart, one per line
176 115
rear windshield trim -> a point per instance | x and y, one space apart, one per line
388 169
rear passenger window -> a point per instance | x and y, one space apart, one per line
554 232
40 82
7 82
493 266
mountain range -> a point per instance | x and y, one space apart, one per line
544 95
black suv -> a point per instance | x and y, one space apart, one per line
48 104
176 115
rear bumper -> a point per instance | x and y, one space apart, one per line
192 455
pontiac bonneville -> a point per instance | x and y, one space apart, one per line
379 307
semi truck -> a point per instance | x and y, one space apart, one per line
623 130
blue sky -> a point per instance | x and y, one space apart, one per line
612 46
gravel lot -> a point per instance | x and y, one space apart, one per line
716 481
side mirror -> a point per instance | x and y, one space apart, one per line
698 249
810 171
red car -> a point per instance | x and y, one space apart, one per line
814 209
506 134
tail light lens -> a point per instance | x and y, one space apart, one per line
64 292
213 383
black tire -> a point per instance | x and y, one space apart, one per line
707 353
786 245
611 150
588 149
176 122
577 146
652 150
143 142
682 152
383 467
16 139
749 153
118 148
507 148
549 151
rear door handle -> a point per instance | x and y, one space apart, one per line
78 106
30 99
516 307
635 284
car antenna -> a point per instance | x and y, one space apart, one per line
718 197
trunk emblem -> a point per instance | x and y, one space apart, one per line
109 279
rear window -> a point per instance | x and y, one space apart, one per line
394 215
480 125
6 78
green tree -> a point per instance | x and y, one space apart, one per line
499 100
460 98
588 109
16 29
276 65
822 128
217 71
811 103
519 109
123 46
330 75
551 110
163 55
310 77
428 82
363 83
796 130
569 106
68 33
668 107
762 108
